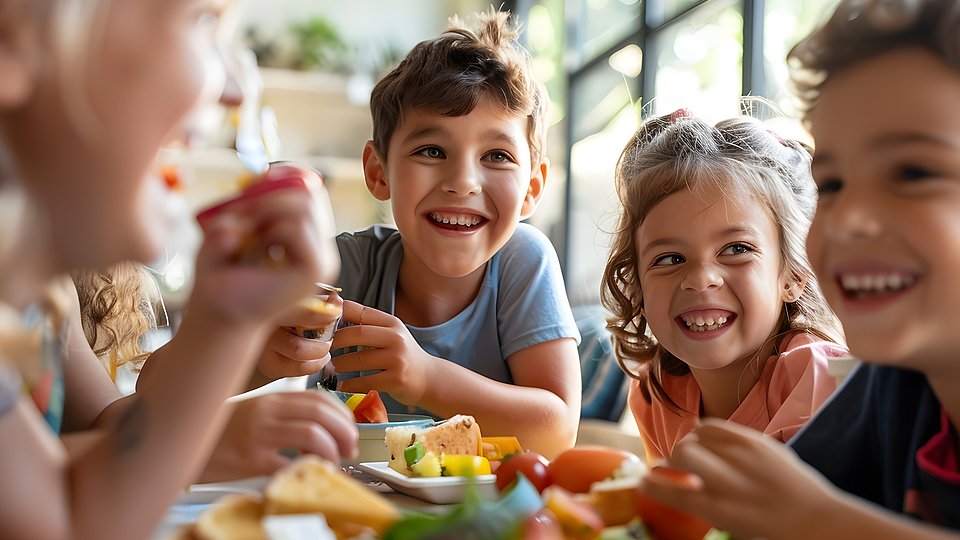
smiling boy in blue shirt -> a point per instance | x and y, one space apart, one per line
461 308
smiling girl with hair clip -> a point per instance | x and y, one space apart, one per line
91 90
715 309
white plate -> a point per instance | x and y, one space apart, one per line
443 490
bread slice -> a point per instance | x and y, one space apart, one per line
458 434
313 485
233 517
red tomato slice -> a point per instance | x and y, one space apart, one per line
370 410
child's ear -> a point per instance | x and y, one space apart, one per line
538 180
18 54
373 173
793 288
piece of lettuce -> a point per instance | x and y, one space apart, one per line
473 519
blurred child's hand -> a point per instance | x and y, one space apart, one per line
261 427
291 231
289 355
389 348
301 346
753 485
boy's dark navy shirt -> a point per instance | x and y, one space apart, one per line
866 441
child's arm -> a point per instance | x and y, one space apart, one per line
163 438
754 486
90 394
284 355
542 408
156 446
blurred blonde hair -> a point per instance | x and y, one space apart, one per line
117 308
69 24
671 153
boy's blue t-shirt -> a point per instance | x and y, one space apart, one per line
874 439
521 302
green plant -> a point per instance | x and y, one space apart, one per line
319 43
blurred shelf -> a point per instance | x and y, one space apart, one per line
319 113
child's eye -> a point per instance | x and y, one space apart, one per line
207 15
431 152
736 249
911 173
829 186
669 260
499 156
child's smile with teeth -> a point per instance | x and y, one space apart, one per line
858 286
705 321
456 220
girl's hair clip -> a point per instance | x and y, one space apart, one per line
680 113
778 137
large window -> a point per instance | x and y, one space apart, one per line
625 60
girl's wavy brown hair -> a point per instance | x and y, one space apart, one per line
740 157
117 310
862 29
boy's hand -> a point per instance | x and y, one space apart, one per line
388 347
290 228
261 427
753 485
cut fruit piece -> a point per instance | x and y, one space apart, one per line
428 466
370 410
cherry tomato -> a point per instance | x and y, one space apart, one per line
579 467
530 464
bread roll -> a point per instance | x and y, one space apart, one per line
313 485
233 517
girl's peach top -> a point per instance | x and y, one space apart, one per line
791 388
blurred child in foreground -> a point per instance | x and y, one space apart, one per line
91 90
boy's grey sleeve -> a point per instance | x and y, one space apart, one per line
532 304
